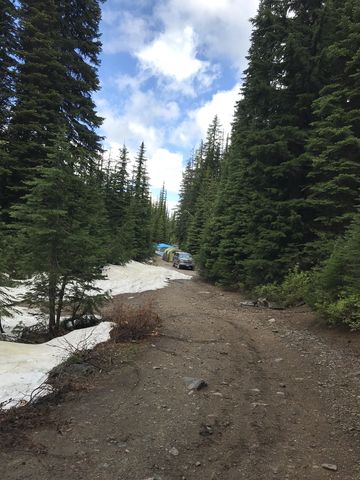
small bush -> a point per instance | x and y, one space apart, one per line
294 288
345 310
131 323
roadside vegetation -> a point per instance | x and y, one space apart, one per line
274 209
65 212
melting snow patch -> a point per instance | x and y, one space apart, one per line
133 277
136 277
24 368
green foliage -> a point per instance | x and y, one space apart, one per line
345 311
198 190
60 228
7 62
337 283
56 73
291 291
334 144
139 215
161 223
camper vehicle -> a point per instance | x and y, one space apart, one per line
183 260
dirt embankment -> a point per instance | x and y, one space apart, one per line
282 401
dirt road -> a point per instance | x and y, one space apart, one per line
282 401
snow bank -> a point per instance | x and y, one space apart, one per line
23 368
136 277
23 317
133 277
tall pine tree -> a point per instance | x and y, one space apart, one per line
57 74
59 226
334 145
260 207
7 76
139 216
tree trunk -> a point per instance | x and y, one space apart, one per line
61 301
52 303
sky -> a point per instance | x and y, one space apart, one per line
167 68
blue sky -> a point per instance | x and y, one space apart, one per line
168 66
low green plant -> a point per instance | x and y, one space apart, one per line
336 292
345 310
292 290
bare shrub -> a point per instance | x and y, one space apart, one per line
131 322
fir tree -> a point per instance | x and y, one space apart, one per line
59 227
37 112
58 51
7 62
117 195
7 71
198 189
80 47
160 219
139 215
334 145
183 214
261 205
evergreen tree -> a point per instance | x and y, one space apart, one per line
183 214
117 196
334 145
7 62
139 215
206 179
160 219
198 189
337 283
7 70
58 51
59 226
37 112
262 202
80 48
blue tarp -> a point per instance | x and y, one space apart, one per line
161 246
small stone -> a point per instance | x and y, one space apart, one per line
248 303
195 383
206 430
330 466
174 451
271 320
217 394
198 464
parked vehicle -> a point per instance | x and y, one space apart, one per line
183 260
168 254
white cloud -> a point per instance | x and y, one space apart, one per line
165 166
195 126
124 31
222 104
222 25
172 54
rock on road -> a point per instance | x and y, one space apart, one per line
282 401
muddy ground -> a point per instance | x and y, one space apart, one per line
282 400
